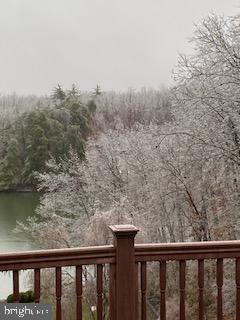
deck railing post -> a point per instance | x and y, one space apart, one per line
125 271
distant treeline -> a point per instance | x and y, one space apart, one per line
34 129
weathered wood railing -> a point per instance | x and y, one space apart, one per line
182 252
41 259
128 272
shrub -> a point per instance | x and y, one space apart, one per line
24 297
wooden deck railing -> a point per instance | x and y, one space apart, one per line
128 273
182 252
75 257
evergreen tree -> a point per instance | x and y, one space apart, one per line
40 134
58 93
97 91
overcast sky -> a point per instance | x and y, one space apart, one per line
115 43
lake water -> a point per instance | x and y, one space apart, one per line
14 206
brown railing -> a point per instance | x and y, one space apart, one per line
128 264
182 252
41 259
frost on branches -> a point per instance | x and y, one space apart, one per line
180 170
172 172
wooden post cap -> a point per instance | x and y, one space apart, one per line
124 230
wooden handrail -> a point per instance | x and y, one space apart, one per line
187 250
127 282
57 258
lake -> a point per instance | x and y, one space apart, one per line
14 206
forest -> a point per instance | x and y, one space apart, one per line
166 160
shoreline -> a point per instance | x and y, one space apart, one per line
20 190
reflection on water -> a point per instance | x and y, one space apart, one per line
14 206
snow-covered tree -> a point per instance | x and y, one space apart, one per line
171 167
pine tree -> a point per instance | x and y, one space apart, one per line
58 93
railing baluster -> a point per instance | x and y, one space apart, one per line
143 290
201 288
58 293
79 292
15 286
112 292
99 292
162 290
219 285
237 275
182 280
138 305
37 285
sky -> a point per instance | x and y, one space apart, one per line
117 44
